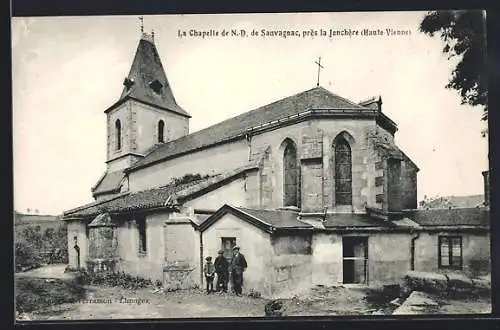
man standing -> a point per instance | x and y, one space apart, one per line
238 266
222 269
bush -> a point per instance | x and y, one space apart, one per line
113 279
189 178
34 248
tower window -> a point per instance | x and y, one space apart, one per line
118 134
161 131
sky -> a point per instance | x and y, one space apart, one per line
67 70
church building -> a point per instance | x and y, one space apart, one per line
312 187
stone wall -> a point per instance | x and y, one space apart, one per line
388 257
181 267
218 159
290 268
123 113
147 265
78 229
408 185
233 193
145 120
314 141
475 252
327 259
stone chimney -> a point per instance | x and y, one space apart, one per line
372 103
486 179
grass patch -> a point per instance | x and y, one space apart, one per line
36 293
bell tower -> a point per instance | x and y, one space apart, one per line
145 115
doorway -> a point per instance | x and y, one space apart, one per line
228 243
355 259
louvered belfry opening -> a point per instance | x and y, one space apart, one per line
343 173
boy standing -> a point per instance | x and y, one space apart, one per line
209 271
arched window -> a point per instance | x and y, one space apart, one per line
118 134
291 181
161 131
343 173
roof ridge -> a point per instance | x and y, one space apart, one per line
357 106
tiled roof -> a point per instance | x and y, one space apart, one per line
316 98
269 220
451 217
153 198
146 68
109 183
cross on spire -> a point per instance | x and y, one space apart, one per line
318 62
142 23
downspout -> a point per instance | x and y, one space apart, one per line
412 251
201 258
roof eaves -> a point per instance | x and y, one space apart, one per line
162 107
96 203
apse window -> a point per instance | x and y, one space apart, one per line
450 252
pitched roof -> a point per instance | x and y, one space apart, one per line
270 220
146 71
317 98
451 217
156 197
110 182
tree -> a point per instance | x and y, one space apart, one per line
464 34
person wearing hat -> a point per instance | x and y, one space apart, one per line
209 271
238 266
222 269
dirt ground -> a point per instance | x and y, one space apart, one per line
103 302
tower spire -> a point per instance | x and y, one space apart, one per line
142 24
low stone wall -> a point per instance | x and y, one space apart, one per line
179 276
444 283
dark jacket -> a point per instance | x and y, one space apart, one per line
221 265
238 263
209 270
